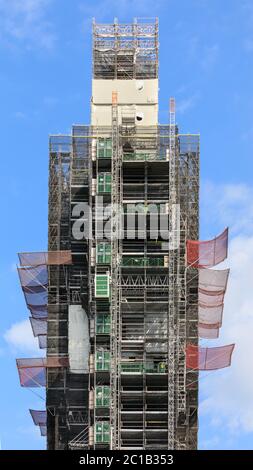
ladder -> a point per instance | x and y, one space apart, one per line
115 275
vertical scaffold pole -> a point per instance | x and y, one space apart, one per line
172 274
115 274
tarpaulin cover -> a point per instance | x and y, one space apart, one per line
39 326
208 332
211 315
42 341
45 257
201 254
199 358
32 372
40 419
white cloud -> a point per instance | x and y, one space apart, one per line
20 337
23 21
228 394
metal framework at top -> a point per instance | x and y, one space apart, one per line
125 51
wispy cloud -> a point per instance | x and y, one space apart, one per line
186 104
210 57
20 338
24 22
228 204
19 115
228 395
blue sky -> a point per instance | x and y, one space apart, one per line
206 57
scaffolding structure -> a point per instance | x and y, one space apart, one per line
125 51
123 294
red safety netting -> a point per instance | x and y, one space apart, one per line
199 358
211 315
40 419
208 332
42 341
39 326
32 372
45 257
201 254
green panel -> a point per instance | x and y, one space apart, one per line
108 179
102 285
104 148
103 323
102 432
104 183
103 360
102 396
132 367
139 262
103 253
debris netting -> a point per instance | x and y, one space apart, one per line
201 254
34 283
211 292
199 358
212 286
39 326
45 257
42 341
40 419
38 311
36 299
34 276
208 332
211 315
32 372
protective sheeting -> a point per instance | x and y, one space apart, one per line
33 276
199 358
32 372
39 326
40 419
201 254
211 315
38 311
212 286
34 283
208 332
45 257
79 344
36 299
42 341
